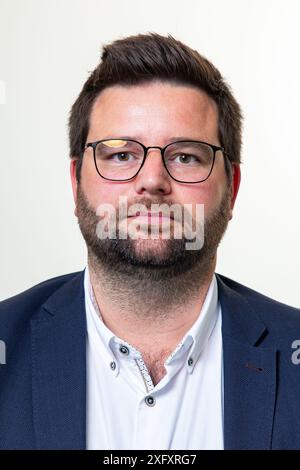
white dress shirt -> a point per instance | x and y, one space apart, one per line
125 410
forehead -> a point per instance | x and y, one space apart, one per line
155 110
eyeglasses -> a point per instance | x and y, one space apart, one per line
185 161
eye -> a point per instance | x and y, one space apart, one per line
120 157
185 158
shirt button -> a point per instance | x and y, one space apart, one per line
124 350
113 365
190 361
150 401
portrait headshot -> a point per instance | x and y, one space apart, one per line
149 291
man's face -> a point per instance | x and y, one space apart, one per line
154 114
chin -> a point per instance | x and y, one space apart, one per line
148 247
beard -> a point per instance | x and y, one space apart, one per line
151 275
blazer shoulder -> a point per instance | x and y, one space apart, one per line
267 307
30 299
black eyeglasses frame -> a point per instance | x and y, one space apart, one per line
214 148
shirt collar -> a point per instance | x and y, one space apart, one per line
92 308
194 340
200 332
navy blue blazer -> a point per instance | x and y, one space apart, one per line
43 383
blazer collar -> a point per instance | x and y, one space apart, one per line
249 373
58 342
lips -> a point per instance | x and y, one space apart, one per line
150 215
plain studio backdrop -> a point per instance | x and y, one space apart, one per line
48 48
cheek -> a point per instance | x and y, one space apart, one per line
97 189
208 193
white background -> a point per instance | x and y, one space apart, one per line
48 47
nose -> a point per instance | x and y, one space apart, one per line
153 177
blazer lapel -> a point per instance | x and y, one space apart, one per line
249 374
59 369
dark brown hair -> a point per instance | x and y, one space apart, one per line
146 57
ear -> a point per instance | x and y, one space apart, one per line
74 181
235 184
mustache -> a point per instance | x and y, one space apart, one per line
163 207
148 202
116 213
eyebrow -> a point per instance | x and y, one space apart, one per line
173 139
170 140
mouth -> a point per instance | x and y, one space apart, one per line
155 217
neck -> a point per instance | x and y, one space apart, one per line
149 314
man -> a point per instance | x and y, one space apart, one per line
148 348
